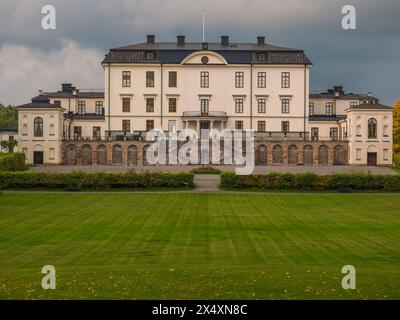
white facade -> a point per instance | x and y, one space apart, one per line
173 86
6 135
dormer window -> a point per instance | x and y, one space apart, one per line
261 56
150 55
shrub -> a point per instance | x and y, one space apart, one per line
396 160
206 170
343 182
81 180
12 161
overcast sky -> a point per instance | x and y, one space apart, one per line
362 60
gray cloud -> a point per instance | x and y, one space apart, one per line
362 60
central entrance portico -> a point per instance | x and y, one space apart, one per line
204 120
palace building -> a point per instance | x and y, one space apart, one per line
177 85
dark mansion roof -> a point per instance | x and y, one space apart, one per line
10 129
69 91
371 106
234 53
338 93
39 102
326 118
86 116
79 94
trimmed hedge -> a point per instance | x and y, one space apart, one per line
12 161
206 170
311 181
100 181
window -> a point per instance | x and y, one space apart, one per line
262 102
262 80
38 127
372 128
81 107
204 106
150 55
204 79
96 132
353 103
311 108
77 133
333 133
126 105
239 105
150 79
126 126
329 109
358 154
126 79
261 56
261 126
99 107
285 126
149 125
285 106
314 134
149 104
239 79
57 103
51 153
285 79
239 125
172 79
172 104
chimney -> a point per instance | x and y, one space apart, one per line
66 87
204 45
151 38
338 90
260 40
224 40
180 40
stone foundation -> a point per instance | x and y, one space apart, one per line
266 153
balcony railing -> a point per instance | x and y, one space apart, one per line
258 136
204 114
281 136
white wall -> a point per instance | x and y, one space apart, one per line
50 142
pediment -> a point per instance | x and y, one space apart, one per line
204 58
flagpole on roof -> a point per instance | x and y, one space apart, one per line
203 27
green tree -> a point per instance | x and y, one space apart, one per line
396 127
9 145
8 116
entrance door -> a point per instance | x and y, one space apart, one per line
38 157
372 158
205 125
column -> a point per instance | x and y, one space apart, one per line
198 128
211 124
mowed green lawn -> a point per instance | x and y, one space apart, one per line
199 246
